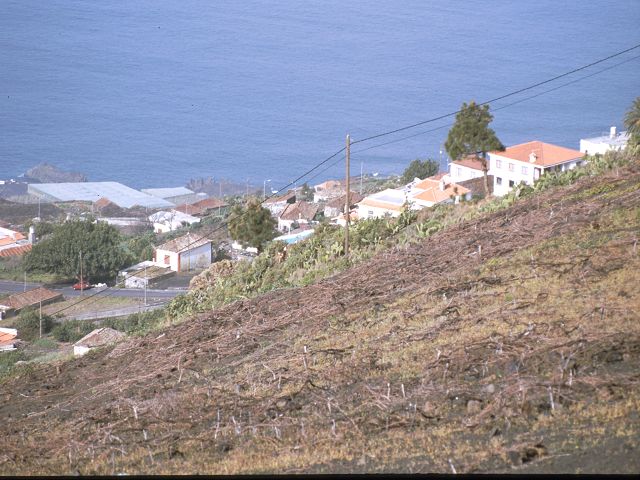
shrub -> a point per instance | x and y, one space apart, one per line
28 324
72 330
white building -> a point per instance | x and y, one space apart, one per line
527 162
604 143
438 189
164 221
184 253
387 203
465 169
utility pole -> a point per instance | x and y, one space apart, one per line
40 318
361 169
146 280
347 202
81 280
220 205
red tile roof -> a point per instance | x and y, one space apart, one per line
433 193
30 298
201 207
103 202
470 161
546 154
15 251
7 339
299 211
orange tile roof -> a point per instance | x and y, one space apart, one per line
546 153
470 161
210 203
189 209
433 193
6 339
103 202
15 251
9 239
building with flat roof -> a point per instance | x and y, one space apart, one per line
604 143
117 193
176 195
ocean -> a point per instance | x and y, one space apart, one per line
153 93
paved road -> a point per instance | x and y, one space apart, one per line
118 312
8 286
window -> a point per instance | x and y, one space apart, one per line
498 180
459 172
511 183
370 213
525 170
511 167
167 260
498 164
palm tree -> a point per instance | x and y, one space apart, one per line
632 122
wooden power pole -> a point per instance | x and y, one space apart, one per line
348 198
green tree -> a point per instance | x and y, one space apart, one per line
471 135
141 246
28 324
632 123
253 226
420 169
306 193
100 243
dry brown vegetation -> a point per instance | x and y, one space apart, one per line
510 342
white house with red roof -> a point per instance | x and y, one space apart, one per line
527 162
417 195
466 168
439 189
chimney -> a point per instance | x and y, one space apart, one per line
32 235
533 157
612 132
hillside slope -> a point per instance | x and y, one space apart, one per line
507 343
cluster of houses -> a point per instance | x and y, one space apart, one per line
179 207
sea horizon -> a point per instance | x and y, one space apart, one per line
155 94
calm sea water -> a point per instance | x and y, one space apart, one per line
155 92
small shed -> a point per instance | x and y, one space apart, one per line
97 338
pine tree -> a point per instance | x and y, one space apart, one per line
471 135
252 226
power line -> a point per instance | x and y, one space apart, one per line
397 140
390 132
219 227
501 97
